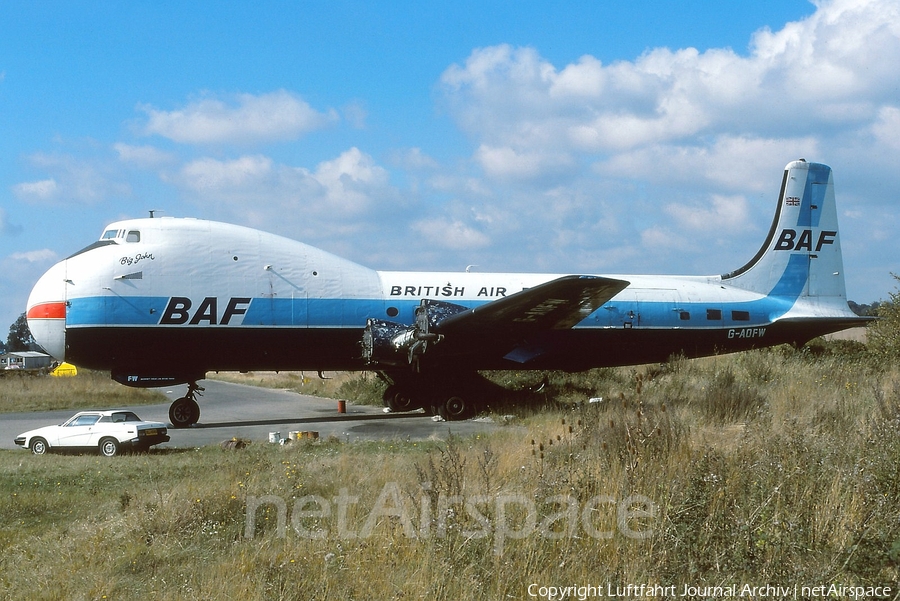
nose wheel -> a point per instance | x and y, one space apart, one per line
185 412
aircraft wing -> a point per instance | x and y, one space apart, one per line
513 327
555 305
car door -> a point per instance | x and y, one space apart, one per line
77 431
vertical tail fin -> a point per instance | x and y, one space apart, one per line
802 252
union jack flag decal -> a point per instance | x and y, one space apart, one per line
792 201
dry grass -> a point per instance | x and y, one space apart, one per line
771 467
359 387
88 390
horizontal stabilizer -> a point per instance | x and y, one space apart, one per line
813 327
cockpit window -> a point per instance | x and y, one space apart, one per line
112 237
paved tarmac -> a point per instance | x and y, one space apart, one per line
234 410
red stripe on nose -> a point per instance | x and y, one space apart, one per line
55 310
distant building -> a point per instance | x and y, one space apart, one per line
25 360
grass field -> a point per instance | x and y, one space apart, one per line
22 391
776 467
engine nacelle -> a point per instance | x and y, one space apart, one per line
396 344
386 342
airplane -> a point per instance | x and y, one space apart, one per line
163 301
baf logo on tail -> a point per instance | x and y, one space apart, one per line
790 240
257 301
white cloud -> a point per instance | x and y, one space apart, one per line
333 203
642 165
83 180
214 176
734 163
450 234
677 149
720 213
355 113
18 272
7 228
350 179
143 156
507 163
663 239
414 159
37 191
834 67
248 119
45 255
886 129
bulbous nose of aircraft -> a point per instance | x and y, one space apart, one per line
46 311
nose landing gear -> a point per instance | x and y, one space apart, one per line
185 412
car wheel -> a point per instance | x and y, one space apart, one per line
109 447
39 446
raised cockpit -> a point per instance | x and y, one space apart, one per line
112 236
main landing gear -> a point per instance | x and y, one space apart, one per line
185 412
453 398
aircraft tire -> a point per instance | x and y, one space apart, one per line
398 400
184 412
456 407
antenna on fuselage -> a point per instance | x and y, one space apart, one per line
152 211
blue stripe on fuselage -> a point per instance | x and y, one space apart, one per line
114 310
337 313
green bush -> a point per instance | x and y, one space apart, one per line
884 335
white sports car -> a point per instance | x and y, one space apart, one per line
108 431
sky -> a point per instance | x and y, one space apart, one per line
584 136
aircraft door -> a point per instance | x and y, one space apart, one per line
654 307
286 296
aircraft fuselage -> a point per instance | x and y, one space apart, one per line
159 301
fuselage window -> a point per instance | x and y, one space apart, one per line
740 315
684 315
714 314
133 236
109 234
